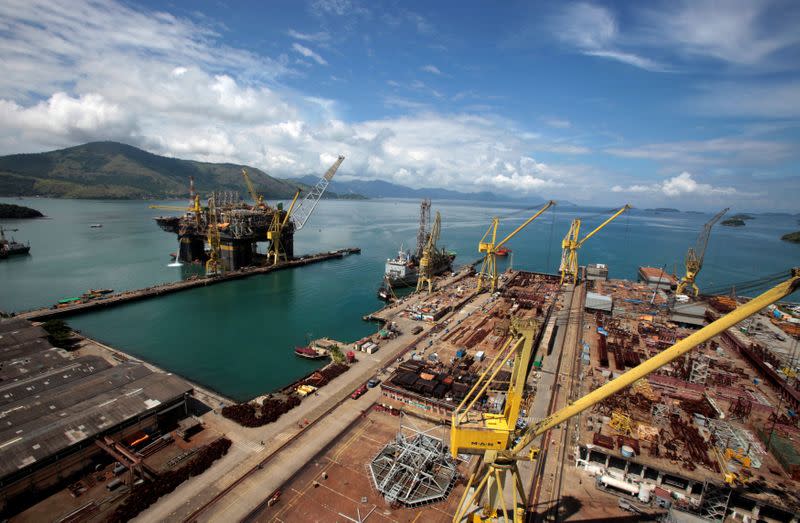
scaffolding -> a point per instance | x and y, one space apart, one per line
414 469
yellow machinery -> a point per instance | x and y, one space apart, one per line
194 208
258 200
734 465
428 252
622 423
213 264
695 255
495 437
571 244
276 252
488 246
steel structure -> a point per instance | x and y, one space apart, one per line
213 265
414 469
258 199
425 278
494 436
307 205
488 246
571 244
695 255
422 230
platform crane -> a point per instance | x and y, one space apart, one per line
194 207
214 263
310 201
694 256
275 252
258 199
428 252
571 244
488 246
501 445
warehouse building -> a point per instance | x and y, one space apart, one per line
54 405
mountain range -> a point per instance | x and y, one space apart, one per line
117 170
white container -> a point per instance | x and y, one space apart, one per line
480 355
627 451
630 488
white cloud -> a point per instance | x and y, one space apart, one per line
431 69
558 123
308 53
319 37
592 29
681 185
773 100
735 31
716 151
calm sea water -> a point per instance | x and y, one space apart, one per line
237 337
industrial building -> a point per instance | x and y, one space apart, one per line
55 407
657 278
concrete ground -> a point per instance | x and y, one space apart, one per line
237 475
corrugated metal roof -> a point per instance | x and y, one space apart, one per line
52 401
598 301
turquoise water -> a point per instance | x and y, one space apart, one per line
237 337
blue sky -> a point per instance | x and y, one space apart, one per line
683 104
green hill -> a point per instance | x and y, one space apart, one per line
117 170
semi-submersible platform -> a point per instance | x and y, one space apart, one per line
232 228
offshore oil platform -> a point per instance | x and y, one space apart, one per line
232 228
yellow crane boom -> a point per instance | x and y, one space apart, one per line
571 244
492 434
275 252
258 200
695 256
488 246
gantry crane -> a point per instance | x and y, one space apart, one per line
213 264
571 244
258 199
695 255
488 246
502 445
428 252
275 252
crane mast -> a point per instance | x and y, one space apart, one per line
493 435
213 264
570 245
428 253
488 246
276 252
307 205
694 256
422 230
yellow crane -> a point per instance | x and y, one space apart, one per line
193 208
276 252
428 253
488 246
571 244
695 255
258 199
495 437
213 264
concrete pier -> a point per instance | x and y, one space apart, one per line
111 300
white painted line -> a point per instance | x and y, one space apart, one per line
11 441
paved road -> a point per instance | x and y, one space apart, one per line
252 445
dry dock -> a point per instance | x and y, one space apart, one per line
112 300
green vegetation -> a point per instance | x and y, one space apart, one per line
742 216
336 354
119 171
11 211
793 237
60 334
734 222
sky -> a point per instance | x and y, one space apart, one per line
694 105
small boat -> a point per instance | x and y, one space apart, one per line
385 294
101 291
96 226
310 353
503 251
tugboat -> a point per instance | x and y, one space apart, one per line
503 251
310 353
10 248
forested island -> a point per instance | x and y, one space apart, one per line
10 211
793 237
